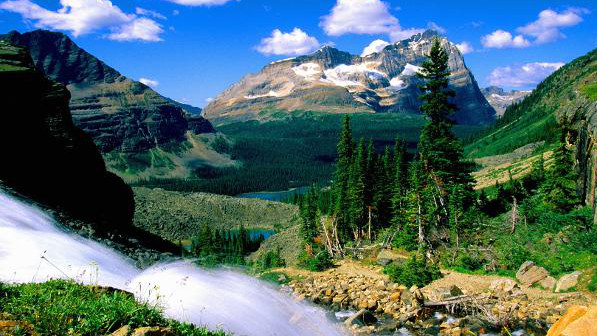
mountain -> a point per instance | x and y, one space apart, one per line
45 156
568 96
500 99
139 132
331 80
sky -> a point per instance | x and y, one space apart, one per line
191 50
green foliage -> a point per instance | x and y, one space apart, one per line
309 216
559 187
221 145
416 271
590 90
215 247
60 307
592 286
534 118
294 151
278 278
317 262
269 260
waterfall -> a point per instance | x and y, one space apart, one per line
33 248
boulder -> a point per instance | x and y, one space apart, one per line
153 331
386 257
529 273
122 331
548 283
503 285
578 321
362 317
568 281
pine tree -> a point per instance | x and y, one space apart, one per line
440 150
370 174
309 216
559 188
383 188
342 178
357 210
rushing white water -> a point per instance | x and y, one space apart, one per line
34 249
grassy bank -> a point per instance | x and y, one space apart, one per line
61 307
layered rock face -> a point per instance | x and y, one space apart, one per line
577 108
500 99
330 80
44 155
120 114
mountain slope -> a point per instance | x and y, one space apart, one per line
499 99
330 80
140 132
45 156
566 97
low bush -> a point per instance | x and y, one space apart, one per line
417 271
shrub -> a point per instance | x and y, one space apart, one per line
416 271
593 282
268 260
319 261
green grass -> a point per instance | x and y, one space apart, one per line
590 90
61 307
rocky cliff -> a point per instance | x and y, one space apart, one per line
500 99
330 80
125 118
45 156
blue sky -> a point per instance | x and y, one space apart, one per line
194 49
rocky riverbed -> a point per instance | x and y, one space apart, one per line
457 304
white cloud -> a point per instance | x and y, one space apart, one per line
399 35
359 17
139 29
175 12
149 82
86 16
465 47
502 39
374 47
525 75
148 12
547 27
365 17
295 43
209 99
436 27
200 2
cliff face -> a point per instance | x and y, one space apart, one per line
500 99
330 80
120 114
45 155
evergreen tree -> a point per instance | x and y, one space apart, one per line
342 178
357 208
559 188
383 189
370 174
440 150
309 216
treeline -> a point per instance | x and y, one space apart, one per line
223 246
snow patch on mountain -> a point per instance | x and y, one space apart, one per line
410 70
350 75
307 70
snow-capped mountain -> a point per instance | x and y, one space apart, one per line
330 80
500 99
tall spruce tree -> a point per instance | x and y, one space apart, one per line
441 152
356 193
559 187
309 216
345 150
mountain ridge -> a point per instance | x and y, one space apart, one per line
331 80
137 130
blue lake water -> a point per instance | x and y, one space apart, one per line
276 195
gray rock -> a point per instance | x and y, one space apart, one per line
529 273
362 317
548 283
568 281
